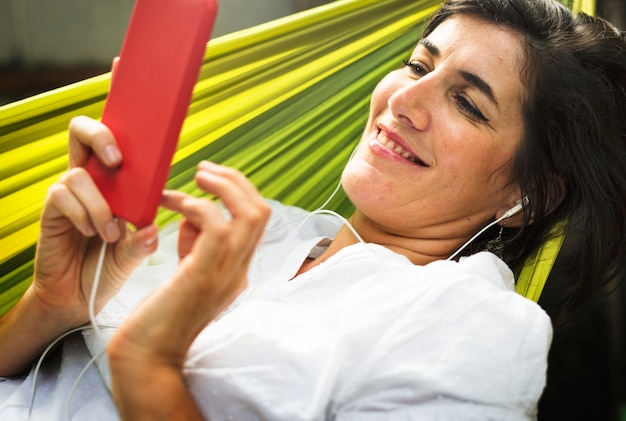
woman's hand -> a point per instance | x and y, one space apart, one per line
75 220
147 353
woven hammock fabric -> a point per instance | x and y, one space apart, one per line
285 102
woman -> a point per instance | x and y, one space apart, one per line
502 106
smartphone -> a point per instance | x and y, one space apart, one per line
150 92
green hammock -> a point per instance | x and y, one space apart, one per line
285 102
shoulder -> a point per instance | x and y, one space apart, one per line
483 266
459 329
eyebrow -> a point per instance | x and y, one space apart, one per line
434 50
480 84
471 78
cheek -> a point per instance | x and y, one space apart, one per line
471 153
472 169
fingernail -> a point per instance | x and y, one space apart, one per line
90 230
112 230
150 241
207 165
112 154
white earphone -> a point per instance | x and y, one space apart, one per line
519 205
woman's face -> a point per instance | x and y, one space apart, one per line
435 157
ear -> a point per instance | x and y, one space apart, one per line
517 216
513 207
553 201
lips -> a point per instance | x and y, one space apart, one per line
394 145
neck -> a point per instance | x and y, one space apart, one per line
344 238
419 251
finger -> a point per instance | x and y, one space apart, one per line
215 267
213 230
173 200
87 136
114 65
61 202
200 214
219 257
249 210
187 232
135 247
203 214
249 215
222 242
231 174
186 238
83 188
236 191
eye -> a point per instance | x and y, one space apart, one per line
416 67
466 106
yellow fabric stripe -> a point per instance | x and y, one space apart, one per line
587 6
535 272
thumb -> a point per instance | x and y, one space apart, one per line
134 247
187 235
114 65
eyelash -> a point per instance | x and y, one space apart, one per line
462 102
415 67
468 107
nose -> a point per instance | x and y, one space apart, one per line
409 103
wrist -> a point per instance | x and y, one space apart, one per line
145 387
25 332
59 317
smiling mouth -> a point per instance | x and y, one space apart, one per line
382 138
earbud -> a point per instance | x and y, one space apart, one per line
519 205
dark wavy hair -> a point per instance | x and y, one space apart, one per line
572 160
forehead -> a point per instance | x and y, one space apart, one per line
492 52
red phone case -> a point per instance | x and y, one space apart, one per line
148 100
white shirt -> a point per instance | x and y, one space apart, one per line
364 335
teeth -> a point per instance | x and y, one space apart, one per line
390 144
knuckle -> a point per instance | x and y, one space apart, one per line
198 206
75 122
266 210
74 177
221 232
202 211
236 176
232 172
256 217
56 191
262 211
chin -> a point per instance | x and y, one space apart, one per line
361 185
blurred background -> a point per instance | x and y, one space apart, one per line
613 11
45 44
